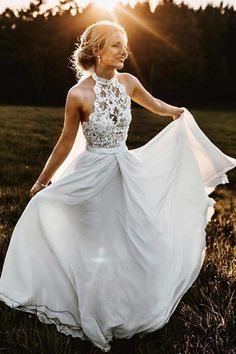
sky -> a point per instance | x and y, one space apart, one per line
19 4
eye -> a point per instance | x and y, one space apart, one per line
115 45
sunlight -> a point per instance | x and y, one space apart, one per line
101 258
107 5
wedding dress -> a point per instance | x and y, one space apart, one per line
109 248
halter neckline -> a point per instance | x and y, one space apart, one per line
102 80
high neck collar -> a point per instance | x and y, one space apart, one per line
102 80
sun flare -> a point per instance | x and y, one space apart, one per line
105 4
109 5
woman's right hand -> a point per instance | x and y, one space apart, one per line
35 189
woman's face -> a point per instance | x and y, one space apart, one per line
115 52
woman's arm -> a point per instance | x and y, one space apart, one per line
141 96
65 142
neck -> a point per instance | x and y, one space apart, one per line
105 73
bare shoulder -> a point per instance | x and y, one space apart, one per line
78 89
78 92
74 93
130 81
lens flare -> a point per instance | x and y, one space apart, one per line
107 5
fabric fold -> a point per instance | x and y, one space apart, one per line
111 246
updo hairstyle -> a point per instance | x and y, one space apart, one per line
92 42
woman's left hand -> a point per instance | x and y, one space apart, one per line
178 113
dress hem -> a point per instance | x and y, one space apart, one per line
43 317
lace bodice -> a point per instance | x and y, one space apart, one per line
108 124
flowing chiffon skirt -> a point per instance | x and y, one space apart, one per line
109 249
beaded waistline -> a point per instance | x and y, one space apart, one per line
108 150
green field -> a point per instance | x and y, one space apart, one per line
204 321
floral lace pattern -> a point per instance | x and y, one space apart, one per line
108 124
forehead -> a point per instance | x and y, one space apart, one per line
118 36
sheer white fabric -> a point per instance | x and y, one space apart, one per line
110 247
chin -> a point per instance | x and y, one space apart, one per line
119 66
116 66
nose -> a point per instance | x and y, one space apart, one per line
124 52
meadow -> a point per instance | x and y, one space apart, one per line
204 321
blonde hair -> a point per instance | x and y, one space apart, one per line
92 42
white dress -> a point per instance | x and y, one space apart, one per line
110 247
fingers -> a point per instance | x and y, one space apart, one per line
34 190
31 194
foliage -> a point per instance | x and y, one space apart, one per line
180 55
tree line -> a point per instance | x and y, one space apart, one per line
180 55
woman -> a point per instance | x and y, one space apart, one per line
111 245
80 99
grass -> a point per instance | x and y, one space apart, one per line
204 321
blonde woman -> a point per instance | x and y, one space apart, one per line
108 249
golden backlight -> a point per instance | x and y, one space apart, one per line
108 5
